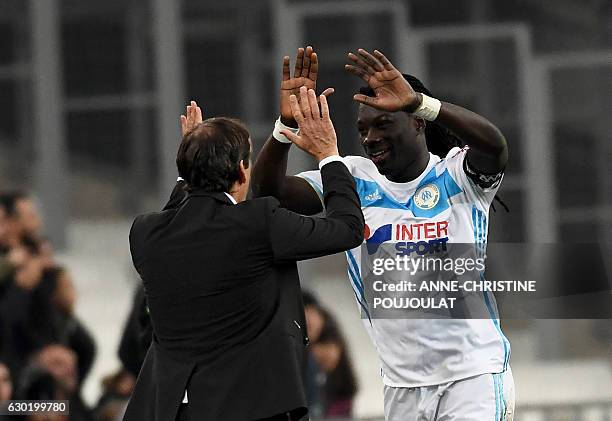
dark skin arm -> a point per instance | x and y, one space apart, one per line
268 176
268 179
488 151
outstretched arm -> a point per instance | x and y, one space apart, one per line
268 178
297 237
488 149
269 171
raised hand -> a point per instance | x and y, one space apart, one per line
192 117
304 74
317 135
392 91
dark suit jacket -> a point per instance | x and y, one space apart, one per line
223 291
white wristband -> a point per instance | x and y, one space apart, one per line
331 158
429 108
278 126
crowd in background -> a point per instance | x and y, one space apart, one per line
47 353
331 383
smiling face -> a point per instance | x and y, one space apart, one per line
395 142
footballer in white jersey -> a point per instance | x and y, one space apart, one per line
416 185
437 348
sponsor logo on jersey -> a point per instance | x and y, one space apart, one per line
420 238
373 196
381 235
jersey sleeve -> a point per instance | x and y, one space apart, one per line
478 186
314 179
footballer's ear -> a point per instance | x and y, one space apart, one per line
420 124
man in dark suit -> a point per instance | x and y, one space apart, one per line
221 279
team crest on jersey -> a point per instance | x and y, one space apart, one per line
427 197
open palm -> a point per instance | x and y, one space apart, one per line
392 92
191 119
304 74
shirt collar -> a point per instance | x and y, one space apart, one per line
231 198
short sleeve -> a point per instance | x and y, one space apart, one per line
482 187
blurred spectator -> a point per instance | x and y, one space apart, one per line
6 383
20 217
331 381
313 376
137 334
16 302
47 351
3 223
38 384
47 254
330 351
61 363
6 388
10 262
117 389
53 321
28 263
134 344
52 374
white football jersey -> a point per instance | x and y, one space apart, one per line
441 205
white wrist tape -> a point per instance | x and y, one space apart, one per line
329 159
278 126
429 108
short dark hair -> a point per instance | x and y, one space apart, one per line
439 139
209 156
9 199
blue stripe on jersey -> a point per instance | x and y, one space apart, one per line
372 195
358 292
480 224
495 321
355 265
496 392
356 278
501 394
355 275
481 219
